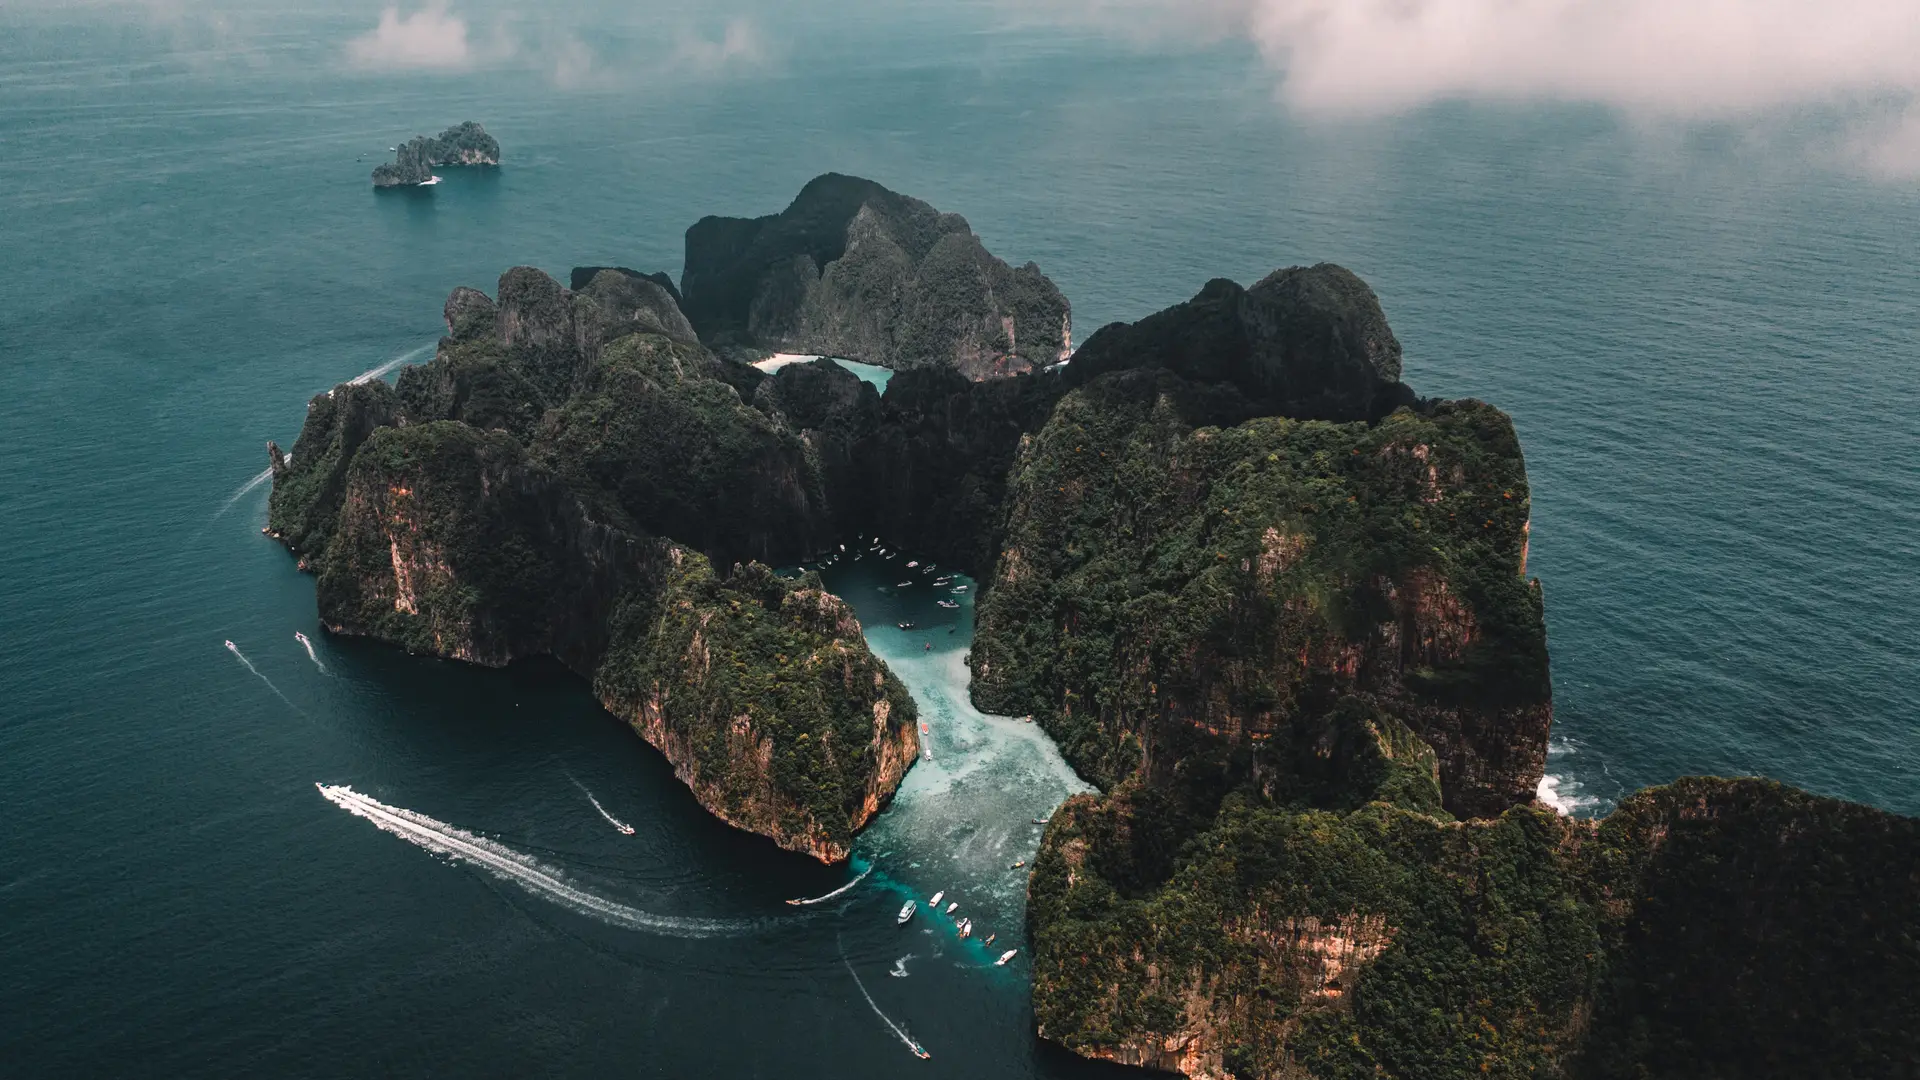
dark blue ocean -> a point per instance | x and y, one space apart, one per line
1709 349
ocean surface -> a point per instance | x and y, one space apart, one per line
260 862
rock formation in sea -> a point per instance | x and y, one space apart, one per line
1273 604
414 160
853 270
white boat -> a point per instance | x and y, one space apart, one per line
966 927
1006 956
911 565
429 182
906 912
952 906
958 589
946 603
903 584
935 902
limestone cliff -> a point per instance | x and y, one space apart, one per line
1170 595
851 269
414 160
1714 928
764 696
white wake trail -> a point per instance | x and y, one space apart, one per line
611 820
311 655
382 371
900 967
837 892
523 870
259 478
242 657
897 1030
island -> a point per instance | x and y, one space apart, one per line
414 160
1272 603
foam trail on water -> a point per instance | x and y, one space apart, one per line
838 891
259 478
904 1037
900 967
311 655
242 657
403 359
611 820
523 870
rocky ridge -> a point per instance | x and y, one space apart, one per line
853 270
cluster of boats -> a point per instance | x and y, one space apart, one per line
964 926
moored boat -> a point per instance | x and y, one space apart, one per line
1006 956
906 912
935 902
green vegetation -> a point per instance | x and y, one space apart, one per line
1164 582
1714 928
305 503
776 712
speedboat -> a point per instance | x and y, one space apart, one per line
906 912
925 730
966 927
908 625
935 902
911 565
946 603
958 589
231 645
1039 821
429 182
1006 956
920 1052
903 584
1018 865
989 940
952 906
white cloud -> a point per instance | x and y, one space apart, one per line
1671 59
430 38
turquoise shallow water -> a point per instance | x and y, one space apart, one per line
1709 352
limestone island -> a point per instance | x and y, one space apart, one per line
415 160
1271 602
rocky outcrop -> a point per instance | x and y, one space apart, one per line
1168 594
1704 929
851 269
451 542
763 694
415 160
308 491
1306 342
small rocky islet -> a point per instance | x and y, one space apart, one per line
1270 601
414 160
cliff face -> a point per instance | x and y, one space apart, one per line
415 159
763 695
1666 941
531 491
307 492
851 269
1169 593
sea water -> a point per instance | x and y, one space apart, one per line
1708 352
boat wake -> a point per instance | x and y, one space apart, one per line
918 1051
837 892
242 657
523 870
385 369
259 478
311 655
622 826
900 967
